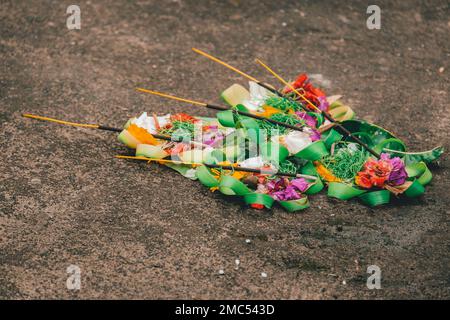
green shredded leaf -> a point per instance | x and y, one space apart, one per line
289 167
282 117
283 103
179 129
346 162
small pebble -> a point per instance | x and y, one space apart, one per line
263 274
237 262
35 181
284 24
221 272
344 282
441 69
248 240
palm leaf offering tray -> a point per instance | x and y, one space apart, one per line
270 146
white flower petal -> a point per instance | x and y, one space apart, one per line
297 141
255 162
258 96
148 123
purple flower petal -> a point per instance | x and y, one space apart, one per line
398 174
309 120
323 103
315 135
300 184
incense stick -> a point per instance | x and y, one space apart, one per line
96 126
218 166
68 123
223 63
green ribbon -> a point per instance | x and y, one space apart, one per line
232 186
314 151
259 198
331 137
376 198
295 205
182 169
343 191
205 177
421 176
420 171
150 151
415 189
226 118
309 169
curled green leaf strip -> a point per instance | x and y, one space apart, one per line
376 198
343 191
314 151
318 185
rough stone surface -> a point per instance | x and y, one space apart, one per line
140 231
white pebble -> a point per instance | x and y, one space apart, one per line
35 181
284 24
237 261
248 240
221 272
263 274
441 69
344 282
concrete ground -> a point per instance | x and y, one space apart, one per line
140 231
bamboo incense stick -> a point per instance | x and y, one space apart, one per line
219 166
92 126
224 64
246 75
